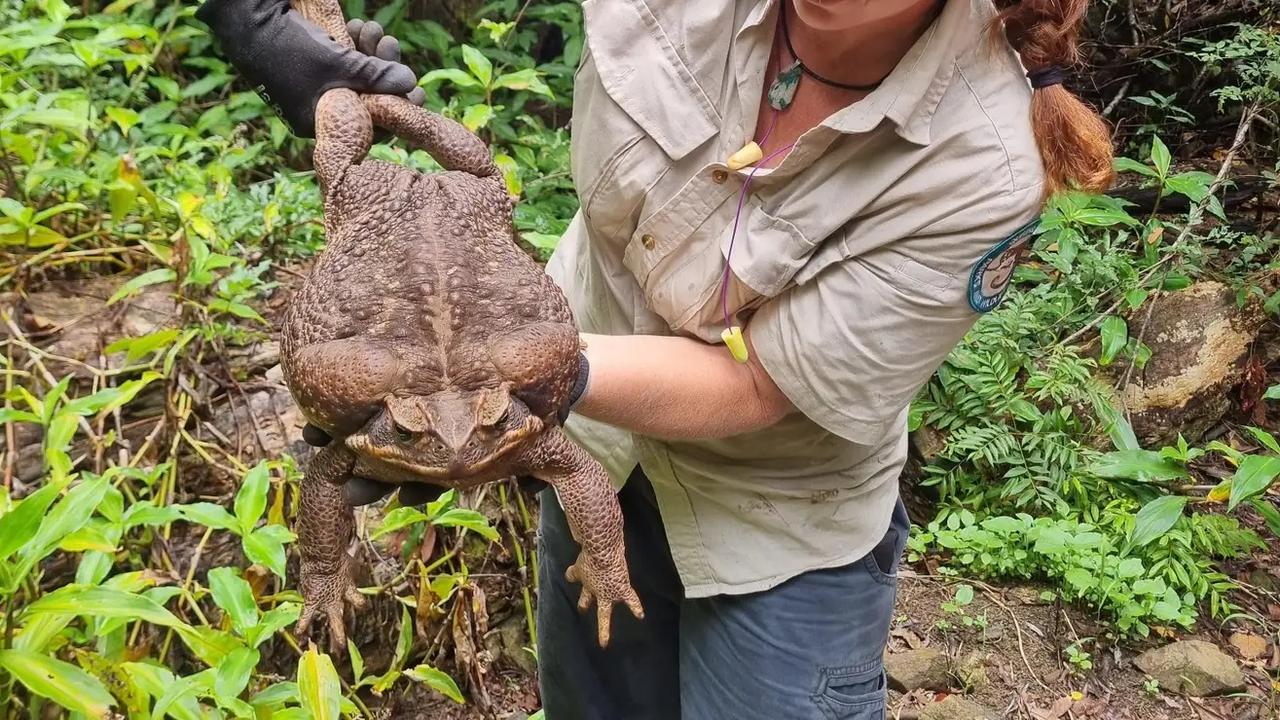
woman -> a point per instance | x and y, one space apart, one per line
849 182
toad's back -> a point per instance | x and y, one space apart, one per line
425 266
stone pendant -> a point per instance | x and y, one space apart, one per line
783 89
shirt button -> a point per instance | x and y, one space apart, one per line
648 241
719 176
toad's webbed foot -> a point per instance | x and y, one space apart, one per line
605 582
326 591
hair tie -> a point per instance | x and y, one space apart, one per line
1046 76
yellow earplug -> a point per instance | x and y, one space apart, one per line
737 344
750 154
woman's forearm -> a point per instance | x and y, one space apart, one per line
677 388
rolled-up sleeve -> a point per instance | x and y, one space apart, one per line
852 346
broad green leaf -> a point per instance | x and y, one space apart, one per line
8 415
1115 334
1156 517
272 621
1267 439
469 519
399 518
124 118
964 594
1269 513
1118 428
437 680
210 515
1193 185
527 79
277 694
1124 164
318 687
206 85
235 596
1252 478
210 645
145 514
156 681
1080 579
109 399
102 602
152 277
19 524
234 672
55 118
478 64
477 116
1137 465
357 661
453 75
1130 568
264 547
61 682
510 173
1160 156
251 499
1272 393
68 515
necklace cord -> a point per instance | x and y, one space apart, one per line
737 216
786 37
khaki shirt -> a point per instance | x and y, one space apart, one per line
858 263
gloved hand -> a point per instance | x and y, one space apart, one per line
292 62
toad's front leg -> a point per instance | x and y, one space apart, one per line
595 519
325 526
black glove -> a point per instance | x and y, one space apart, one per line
292 62
579 387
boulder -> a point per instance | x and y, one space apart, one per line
923 668
1194 667
955 707
1200 340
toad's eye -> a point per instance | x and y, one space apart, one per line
403 434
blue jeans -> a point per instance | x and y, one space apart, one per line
809 649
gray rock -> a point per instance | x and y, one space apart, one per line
972 672
957 708
514 638
923 668
1194 667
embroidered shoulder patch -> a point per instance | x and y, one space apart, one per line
990 276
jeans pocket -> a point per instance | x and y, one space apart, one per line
852 693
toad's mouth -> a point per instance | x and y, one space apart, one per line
400 458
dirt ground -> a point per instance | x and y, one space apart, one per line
1025 673
1014 659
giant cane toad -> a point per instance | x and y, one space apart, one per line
430 347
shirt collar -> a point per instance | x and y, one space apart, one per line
909 96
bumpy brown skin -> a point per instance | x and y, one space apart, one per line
430 347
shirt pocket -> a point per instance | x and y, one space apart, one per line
637 109
685 285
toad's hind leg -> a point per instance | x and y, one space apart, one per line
344 132
451 144
595 519
325 527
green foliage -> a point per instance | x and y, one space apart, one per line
1040 476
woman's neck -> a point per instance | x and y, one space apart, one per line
856 41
